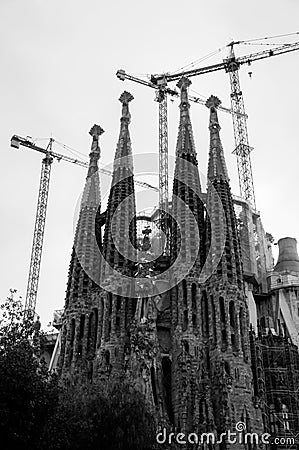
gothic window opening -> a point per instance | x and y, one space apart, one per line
242 333
166 380
109 306
92 331
72 338
194 306
95 331
285 418
232 319
205 315
118 313
82 323
185 305
107 357
222 310
273 420
81 333
223 324
214 320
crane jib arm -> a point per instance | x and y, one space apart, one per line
229 64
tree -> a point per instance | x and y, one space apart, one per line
27 390
38 411
106 415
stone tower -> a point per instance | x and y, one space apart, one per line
84 269
187 350
117 301
187 248
224 307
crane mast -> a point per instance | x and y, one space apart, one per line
231 65
242 149
163 165
162 91
38 236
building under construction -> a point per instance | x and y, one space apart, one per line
210 346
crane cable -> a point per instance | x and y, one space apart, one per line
270 37
192 64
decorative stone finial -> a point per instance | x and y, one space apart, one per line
96 131
184 82
126 98
213 102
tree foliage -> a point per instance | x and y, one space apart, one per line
39 411
109 415
26 387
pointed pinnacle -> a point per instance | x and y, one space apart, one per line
184 82
96 131
126 97
213 102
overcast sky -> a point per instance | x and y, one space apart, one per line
58 65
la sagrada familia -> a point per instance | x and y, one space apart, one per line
212 349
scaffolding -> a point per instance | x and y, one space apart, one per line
275 364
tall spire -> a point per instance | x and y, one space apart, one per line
185 141
85 250
225 324
187 251
85 262
217 167
119 249
120 215
186 185
219 194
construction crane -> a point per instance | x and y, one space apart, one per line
41 211
161 97
231 65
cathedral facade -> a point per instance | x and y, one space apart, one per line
184 336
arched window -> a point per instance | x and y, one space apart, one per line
194 306
242 333
285 418
95 331
92 331
166 380
185 305
110 300
232 319
214 319
222 310
273 420
72 338
205 315
107 358
223 324
185 294
81 334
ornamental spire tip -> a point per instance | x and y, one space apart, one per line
184 82
96 131
126 98
213 102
